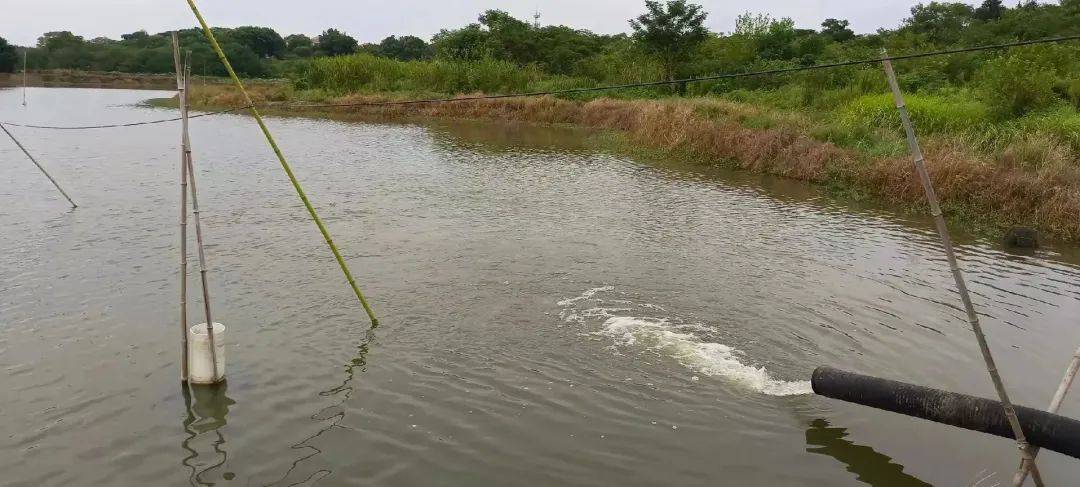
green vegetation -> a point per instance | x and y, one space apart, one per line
993 101
670 33
667 41
257 52
1000 122
8 57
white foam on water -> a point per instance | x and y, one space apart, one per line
670 337
585 295
707 358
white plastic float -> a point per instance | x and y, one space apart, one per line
200 363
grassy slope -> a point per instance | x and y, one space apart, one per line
987 181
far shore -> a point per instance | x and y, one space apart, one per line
65 78
985 198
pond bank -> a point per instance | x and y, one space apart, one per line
983 195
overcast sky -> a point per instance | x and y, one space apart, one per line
371 20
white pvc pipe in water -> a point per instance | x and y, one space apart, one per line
200 362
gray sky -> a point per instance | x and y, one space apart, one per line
371 20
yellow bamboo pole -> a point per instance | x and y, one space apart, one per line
281 158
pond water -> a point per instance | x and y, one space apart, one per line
553 314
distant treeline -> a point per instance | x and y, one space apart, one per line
668 41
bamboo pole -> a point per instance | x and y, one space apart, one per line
284 163
182 100
24 82
198 223
38 164
1059 396
943 232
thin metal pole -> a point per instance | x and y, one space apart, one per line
36 163
198 224
1055 404
281 159
958 276
182 100
24 82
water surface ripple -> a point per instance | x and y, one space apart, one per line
553 314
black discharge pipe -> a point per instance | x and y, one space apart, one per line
1042 429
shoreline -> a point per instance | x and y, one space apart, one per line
66 78
983 198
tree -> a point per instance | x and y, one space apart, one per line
778 40
671 33
990 10
8 57
837 30
263 41
333 42
404 48
59 40
469 42
300 45
64 50
509 38
564 47
139 38
750 25
942 23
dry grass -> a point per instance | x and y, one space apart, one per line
1000 187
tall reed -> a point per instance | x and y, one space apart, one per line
364 73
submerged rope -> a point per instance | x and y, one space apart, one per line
284 163
594 89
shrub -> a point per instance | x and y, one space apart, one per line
366 73
1024 80
930 113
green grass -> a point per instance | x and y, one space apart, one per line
931 114
853 111
1061 122
364 73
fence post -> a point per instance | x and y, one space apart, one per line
961 287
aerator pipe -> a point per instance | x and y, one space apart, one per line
1041 428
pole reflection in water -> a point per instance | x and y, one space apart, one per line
334 414
207 407
869 466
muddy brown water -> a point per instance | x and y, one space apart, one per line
553 314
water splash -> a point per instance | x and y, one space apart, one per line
585 295
670 337
707 358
